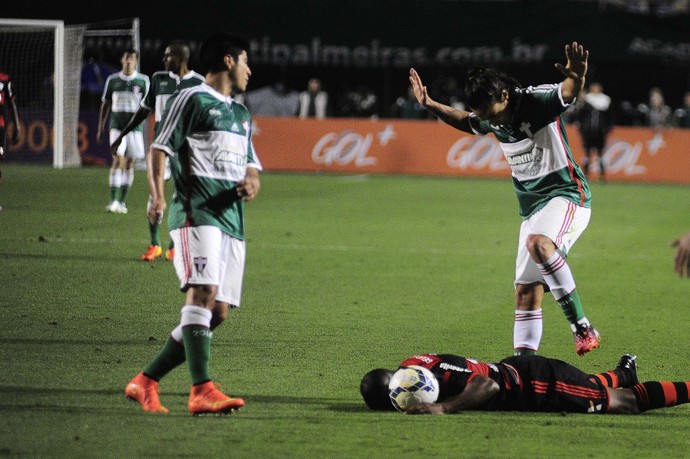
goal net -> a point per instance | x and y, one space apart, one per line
43 59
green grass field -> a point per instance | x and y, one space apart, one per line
344 274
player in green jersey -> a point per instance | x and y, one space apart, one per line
164 84
552 191
207 136
122 95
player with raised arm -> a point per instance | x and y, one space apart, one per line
552 192
164 84
122 96
527 383
207 136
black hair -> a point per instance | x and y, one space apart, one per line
179 48
374 389
130 51
486 85
219 45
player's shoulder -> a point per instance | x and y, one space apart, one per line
196 76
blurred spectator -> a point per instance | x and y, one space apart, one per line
407 107
594 122
274 100
94 72
656 114
313 102
360 103
681 117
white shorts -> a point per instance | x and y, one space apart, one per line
132 145
205 255
561 221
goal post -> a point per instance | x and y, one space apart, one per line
43 59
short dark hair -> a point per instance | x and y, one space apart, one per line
219 45
485 85
180 49
130 51
374 389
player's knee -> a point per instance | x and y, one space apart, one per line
539 246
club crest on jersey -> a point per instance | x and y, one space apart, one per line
200 264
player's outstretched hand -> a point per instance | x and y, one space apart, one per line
420 91
426 408
576 61
682 260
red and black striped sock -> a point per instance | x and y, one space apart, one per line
609 379
655 394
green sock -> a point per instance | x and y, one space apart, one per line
124 191
572 307
114 193
171 245
197 345
524 352
170 357
153 231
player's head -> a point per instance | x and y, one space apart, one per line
226 52
374 389
488 92
128 59
175 56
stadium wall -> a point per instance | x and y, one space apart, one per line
432 148
355 146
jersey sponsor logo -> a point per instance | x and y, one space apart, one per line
200 264
533 156
448 366
226 159
234 128
424 358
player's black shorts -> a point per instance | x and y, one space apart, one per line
555 386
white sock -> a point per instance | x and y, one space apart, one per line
115 178
128 177
527 329
195 315
557 275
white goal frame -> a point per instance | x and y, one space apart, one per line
58 27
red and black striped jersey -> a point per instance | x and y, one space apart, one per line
6 94
454 372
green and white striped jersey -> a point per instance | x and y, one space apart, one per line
208 139
124 92
536 147
163 85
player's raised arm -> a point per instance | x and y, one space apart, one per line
449 115
476 394
574 71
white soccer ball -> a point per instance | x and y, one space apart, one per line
412 385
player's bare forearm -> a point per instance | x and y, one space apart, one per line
477 394
155 162
459 119
135 121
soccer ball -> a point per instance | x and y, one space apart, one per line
412 385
